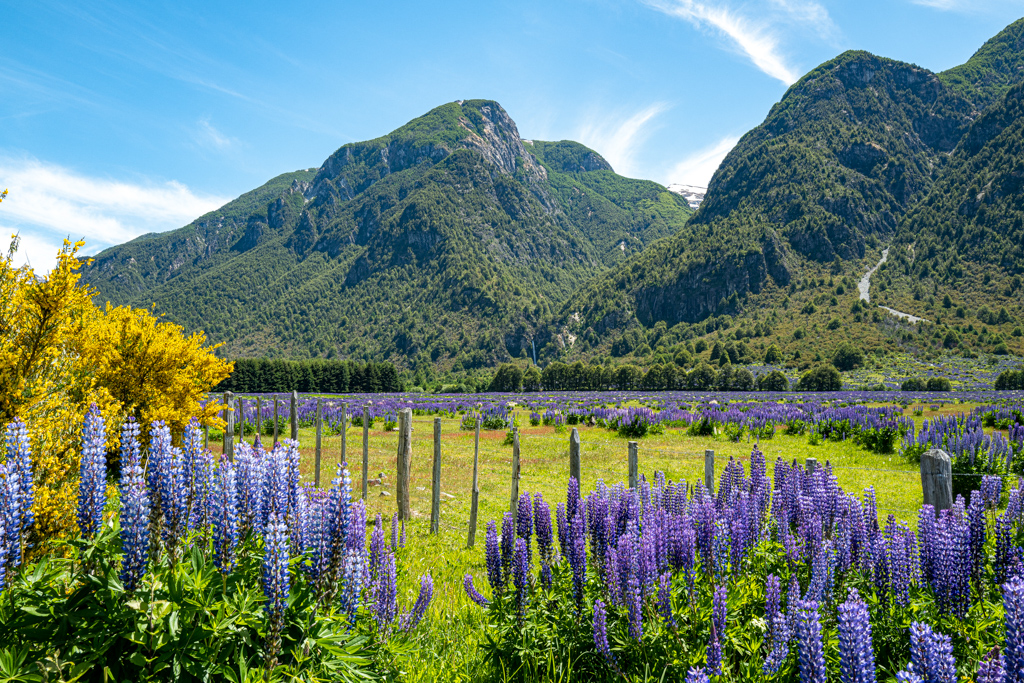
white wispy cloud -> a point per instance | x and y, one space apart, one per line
48 202
208 135
697 168
758 35
617 137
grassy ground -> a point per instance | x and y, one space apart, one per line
454 631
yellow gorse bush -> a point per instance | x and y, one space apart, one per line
59 353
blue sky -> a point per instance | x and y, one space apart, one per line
119 119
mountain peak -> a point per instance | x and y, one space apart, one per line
992 70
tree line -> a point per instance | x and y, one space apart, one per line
316 375
576 376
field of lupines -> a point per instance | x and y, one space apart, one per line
526 632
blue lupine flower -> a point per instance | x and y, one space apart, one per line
19 451
931 655
92 486
508 543
385 595
665 600
520 576
809 646
473 593
990 669
697 675
351 583
601 634
545 540
991 491
495 570
276 581
1013 647
578 558
857 657
134 508
524 525
410 620
225 516
778 626
908 675
714 653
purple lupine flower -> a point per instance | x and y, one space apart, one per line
134 515
665 600
385 595
92 487
991 491
718 608
908 675
990 669
1013 646
931 655
809 646
563 528
857 657
419 608
225 516
697 675
495 572
520 576
601 635
351 583
778 626
275 566
20 451
720 550
545 541
508 543
572 500
524 525
473 593
632 591
578 558
167 482
377 548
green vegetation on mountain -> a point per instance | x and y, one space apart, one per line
446 242
996 67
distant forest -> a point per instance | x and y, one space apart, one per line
261 375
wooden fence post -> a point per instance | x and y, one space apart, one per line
229 427
295 415
366 446
319 436
574 456
344 429
634 466
937 479
404 462
709 471
811 464
435 487
241 420
259 417
276 435
476 488
515 474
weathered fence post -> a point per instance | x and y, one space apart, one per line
515 473
937 479
241 420
259 417
476 487
435 487
634 466
574 456
344 428
229 427
366 445
276 435
811 464
319 439
295 415
709 471
404 462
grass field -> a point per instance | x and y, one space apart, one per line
450 644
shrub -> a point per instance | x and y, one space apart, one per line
821 378
913 384
773 381
772 355
848 357
939 384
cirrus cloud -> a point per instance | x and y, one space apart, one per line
48 202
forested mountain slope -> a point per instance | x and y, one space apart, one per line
862 151
450 239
